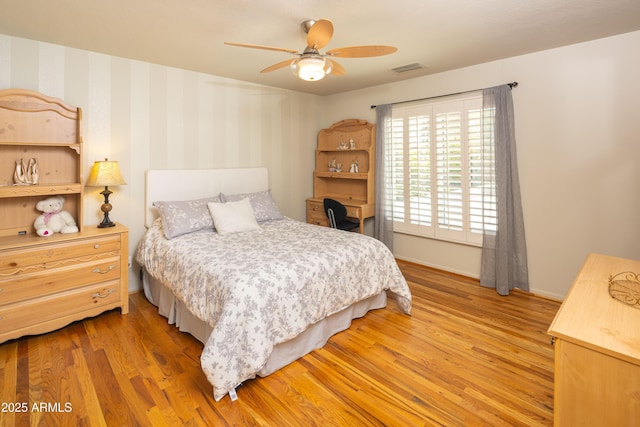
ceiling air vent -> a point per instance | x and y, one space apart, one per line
408 67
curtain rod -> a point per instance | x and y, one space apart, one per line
511 85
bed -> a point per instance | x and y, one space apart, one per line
258 292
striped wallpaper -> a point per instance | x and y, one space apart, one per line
149 116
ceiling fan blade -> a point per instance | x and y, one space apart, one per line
362 51
336 69
256 46
320 34
277 66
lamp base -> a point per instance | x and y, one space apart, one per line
106 208
106 222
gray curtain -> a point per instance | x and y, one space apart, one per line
383 221
504 252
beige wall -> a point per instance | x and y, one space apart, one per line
577 114
577 129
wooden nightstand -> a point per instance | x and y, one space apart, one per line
49 282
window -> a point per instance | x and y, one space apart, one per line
439 169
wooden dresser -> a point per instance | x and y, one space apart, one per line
597 350
49 282
351 145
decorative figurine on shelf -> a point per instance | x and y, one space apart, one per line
26 174
339 167
354 166
343 146
53 219
352 144
32 172
18 174
332 165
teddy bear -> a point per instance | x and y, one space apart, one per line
53 219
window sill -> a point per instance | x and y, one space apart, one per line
441 239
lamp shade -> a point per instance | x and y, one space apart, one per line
311 67
105 173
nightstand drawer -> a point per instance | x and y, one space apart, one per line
49 281
15 317
36 258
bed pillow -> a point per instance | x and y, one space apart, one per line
233 217
185 216
262 203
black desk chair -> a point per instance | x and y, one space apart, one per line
337 214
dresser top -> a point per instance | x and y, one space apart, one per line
14 242
590 317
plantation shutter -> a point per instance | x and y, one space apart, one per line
398 167
449 175
437 155
482 202
419 137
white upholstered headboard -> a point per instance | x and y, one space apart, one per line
188 184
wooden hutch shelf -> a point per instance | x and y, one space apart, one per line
345 144
49 282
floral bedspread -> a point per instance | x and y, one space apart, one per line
260 288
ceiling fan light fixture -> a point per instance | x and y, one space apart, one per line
311 67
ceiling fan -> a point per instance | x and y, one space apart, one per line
311 65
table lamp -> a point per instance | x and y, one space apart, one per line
105 173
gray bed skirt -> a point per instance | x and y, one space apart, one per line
316 335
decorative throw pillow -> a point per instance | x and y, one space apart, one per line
233 217
262 202
185 216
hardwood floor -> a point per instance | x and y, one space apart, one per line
466 356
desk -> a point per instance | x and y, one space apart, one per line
344 171
355 210
597 350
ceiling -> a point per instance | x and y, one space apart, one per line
438 34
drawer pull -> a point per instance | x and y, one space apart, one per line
108 269
96 246
103 294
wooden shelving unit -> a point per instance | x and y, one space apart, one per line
33 125
345 143
49 282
